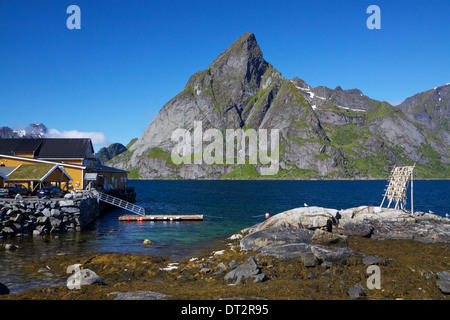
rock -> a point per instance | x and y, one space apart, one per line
70 209
369 260
204 270
259 277
248 269
42 229
353 229
236 236
221 266
303 217
147 242
284 251
18 217
273 237
17 227
336 255
140 295
309 259
46 212
7 232
54 222
444 285
327 238
36 233
55 213
10 246
3 289
356 292
66 203
360 222
68 196
83 277
444 275
44 220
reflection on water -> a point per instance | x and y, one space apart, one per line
227 206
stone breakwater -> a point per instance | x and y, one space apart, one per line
36 217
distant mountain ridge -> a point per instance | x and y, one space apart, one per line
324 133
31 131
107 153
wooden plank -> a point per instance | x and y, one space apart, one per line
161 217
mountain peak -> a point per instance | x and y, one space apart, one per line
237 56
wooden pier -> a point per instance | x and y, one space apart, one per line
161 217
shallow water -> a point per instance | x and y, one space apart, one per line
227 206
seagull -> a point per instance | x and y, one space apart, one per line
446 215
305 205
430 211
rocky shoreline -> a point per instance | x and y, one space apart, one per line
304 253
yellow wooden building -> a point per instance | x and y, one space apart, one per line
67 160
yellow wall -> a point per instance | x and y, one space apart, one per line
24 154
77 176
75 173
121 179
13 162
76 162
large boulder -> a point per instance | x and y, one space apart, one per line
444 281
334 255
275 237
82 278
304 217
323 231
248 269
327 238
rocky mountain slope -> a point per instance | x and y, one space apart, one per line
323 133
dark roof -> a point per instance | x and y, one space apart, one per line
99 168
11 146
48 148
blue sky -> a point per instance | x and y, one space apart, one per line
110 79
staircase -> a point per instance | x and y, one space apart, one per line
119 203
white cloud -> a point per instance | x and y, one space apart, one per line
98 138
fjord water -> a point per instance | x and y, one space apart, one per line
228 206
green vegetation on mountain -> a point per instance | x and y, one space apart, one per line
323 133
